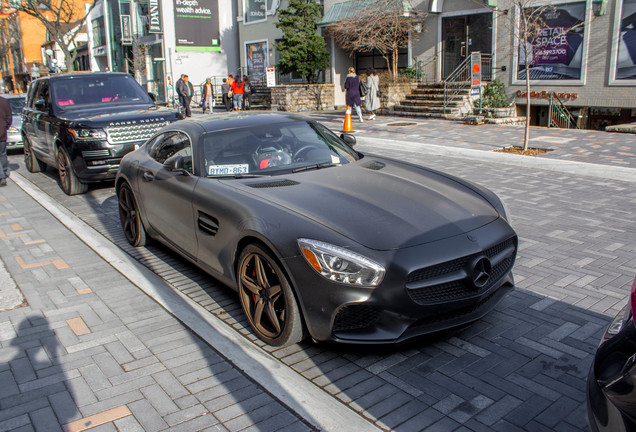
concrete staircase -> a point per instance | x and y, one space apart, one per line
427 100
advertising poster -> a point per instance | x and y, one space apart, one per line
555 51
255 10
196 25
626 61
256 56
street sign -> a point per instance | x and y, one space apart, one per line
475 73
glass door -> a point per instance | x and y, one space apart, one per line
462 35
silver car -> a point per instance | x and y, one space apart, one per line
14 137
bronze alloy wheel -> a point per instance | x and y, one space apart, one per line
267 298
69 181
129 217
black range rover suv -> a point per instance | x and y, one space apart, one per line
84 124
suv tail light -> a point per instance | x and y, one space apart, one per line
632 300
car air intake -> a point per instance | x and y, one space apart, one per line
280 183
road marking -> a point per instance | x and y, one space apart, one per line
8 236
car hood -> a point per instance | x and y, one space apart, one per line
381 204
119 115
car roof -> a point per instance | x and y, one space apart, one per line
238 120
79 75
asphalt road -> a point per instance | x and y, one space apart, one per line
522 367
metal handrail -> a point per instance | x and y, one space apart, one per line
457 81
558 114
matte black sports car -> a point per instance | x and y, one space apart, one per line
611 384
316 237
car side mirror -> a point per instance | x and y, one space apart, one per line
177 163
40 105
349 139
152 96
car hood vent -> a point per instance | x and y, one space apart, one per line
374 165
273 184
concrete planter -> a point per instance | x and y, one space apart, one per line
500 112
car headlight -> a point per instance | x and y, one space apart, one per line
341 265
88 134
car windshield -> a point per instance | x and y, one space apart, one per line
279 148
16 105
95 91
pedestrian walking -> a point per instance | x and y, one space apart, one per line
372 101
237 93
247 93
177 86
207 102
225 92
185 91
352 87
5 123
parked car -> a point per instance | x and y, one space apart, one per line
611 383
84 123
14 137
316 237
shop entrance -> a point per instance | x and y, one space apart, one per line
462 35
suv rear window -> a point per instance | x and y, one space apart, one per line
94 91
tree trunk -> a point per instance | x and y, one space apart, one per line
526 132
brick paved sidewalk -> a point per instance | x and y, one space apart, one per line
90 349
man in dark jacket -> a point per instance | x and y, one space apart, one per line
186 91
5 123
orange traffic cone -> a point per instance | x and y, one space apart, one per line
348 127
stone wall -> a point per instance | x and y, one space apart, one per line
302 97
394 93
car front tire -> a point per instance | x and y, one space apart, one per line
33 164
71 185
130 218
267 298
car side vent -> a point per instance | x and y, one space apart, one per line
375 165
208 224
273 184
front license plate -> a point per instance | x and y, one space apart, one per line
228 169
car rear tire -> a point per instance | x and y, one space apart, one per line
267 298
33 164
71 185
130 218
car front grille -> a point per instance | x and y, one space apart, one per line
131 133
451 281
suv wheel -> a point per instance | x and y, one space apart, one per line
69 181
33 164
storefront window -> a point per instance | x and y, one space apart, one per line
555 50
626 49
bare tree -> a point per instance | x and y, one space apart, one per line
383 25
537 39
63 20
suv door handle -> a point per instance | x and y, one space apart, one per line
149 176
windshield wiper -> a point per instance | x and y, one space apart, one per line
314 166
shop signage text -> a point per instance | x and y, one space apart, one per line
546 95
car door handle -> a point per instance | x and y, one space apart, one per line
149 176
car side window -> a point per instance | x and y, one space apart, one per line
44 94
174 143
32 92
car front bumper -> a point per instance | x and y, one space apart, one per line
611 382
427 288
